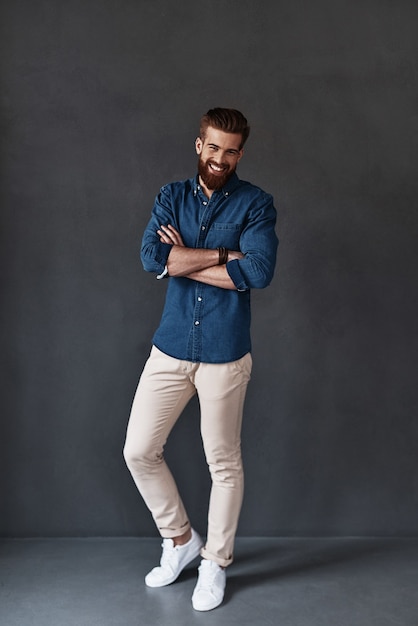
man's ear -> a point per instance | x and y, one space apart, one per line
198 145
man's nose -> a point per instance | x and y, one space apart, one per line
219 158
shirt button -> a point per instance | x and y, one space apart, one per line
203 227
227 193
197 323
199 299
205 203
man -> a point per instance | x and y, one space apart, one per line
214 237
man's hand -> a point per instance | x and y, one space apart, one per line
168 234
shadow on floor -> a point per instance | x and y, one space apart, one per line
257 567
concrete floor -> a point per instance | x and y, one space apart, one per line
277 582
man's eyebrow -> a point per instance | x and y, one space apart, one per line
213 145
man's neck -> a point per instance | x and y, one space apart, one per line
206 191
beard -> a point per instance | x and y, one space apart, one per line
213 181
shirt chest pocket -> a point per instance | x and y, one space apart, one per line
225 234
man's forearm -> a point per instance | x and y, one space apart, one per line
216 276
184 261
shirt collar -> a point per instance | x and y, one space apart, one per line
231 184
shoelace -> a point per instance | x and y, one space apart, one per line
169 554
207 577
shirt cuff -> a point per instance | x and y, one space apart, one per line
161 251
235 274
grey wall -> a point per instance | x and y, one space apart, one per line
100 104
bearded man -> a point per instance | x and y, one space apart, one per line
213 237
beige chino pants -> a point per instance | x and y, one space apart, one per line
164 389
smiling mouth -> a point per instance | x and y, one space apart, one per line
217 169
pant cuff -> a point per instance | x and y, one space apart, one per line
205 554
169 533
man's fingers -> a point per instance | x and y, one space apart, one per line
170 230
168 234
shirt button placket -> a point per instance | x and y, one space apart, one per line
198 310
197 330
205 220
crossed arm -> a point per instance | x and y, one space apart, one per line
199 264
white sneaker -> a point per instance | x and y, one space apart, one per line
173 560
210 588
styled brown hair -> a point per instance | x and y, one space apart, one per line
228 120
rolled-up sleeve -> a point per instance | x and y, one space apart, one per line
154 253
258 242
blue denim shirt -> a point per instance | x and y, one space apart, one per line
203 323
